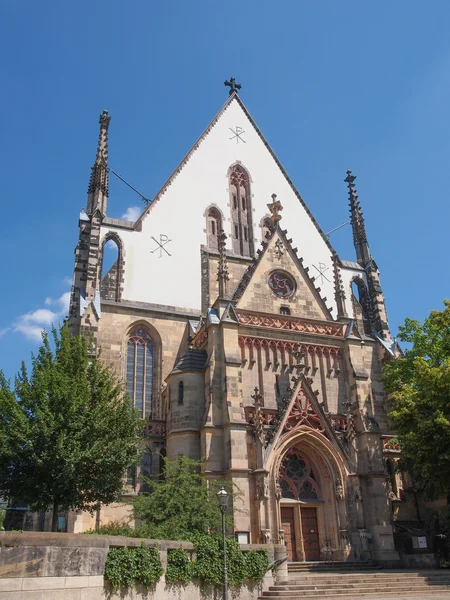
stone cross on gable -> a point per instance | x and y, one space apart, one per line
275 208
234 87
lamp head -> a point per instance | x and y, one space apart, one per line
222 498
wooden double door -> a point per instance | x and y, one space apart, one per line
310 533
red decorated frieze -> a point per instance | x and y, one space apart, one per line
303 413
290 324
155 429
286 347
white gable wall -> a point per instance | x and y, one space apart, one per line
176 280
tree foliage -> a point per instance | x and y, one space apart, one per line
67 431
180 504
419 384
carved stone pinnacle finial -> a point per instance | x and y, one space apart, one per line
257 398
275 208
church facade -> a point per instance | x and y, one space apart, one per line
246 341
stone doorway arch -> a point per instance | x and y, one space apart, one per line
308 504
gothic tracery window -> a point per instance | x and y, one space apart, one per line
241 211
297 478
140 371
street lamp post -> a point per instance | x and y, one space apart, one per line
222 498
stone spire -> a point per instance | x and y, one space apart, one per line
356 217
222 271
339 292
98 183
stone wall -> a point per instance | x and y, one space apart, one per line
60 566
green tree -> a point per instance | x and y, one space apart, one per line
419 384
67 431
180 505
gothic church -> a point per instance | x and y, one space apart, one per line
261 352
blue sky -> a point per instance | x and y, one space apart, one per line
332 84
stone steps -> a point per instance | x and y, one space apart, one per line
307 585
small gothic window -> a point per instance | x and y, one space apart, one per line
246 234
243 203
140 362
234 201
285 310
236 232
146 468
214 227
180 392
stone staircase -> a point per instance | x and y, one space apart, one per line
308 581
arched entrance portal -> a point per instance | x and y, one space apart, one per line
300 499
310 493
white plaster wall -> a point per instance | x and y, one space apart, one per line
176 280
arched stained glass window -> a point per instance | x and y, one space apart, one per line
140 363
297 478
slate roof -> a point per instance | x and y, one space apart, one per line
193 360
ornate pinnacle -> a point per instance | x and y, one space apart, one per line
99 173
339 292
275 208
257 398
222 271
357 221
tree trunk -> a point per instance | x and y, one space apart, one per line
55 515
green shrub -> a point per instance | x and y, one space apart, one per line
256 564
128 567
242 567
179 567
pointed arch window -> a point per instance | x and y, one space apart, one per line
360 296
213 227
241 211
140 371
297 478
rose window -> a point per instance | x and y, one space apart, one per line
282 284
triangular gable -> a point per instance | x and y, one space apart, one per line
304 409
234 97
229 315
256 292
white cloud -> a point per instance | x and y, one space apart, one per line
67 281
3 331
31 324
132 213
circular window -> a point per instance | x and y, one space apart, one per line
282 284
